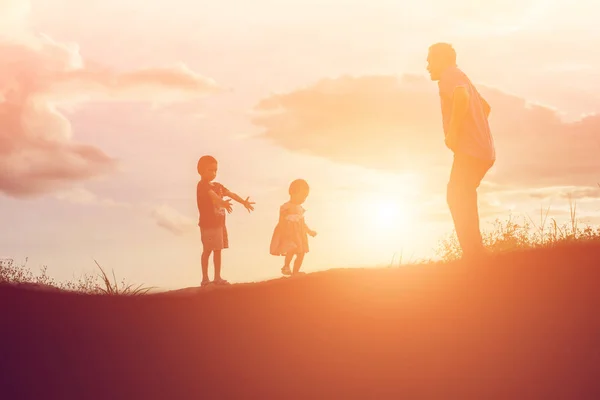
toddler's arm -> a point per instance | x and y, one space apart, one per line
309 231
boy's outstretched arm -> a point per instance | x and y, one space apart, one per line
217 201
246 203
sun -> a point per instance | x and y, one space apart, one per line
377 224
383 215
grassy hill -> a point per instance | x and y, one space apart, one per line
526 325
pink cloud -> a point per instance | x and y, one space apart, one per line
84 197
39 75
165 216
394 124
172 220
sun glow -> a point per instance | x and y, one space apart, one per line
382 215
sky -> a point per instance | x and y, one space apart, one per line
105 108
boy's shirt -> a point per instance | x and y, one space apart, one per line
211 216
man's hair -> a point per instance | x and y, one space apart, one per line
204 162
443 51
299 186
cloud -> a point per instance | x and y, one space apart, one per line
83 196
373 121
172 220
38 76
165 216
394 123
565 193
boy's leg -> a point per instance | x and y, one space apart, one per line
217 262
215 239
298 262
221 242
205 258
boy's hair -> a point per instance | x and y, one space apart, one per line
443 51
299 186
204 162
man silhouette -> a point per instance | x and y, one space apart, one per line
467 133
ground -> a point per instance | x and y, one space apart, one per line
525 325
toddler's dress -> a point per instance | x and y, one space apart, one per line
291 233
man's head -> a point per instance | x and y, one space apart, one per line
207 168
440 57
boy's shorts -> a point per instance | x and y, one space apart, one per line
214 238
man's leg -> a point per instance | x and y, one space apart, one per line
477 171
465 177
454 197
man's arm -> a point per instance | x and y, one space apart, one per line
486 106
460 106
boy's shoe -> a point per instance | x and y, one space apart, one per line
205 283
220 281
286 270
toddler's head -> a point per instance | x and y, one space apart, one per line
207 168
299 190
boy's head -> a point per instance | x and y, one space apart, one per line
299 190
207 168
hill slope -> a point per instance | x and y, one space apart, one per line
526 325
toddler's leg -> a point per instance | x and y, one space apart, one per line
298 262
288 260
205 257
286 267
